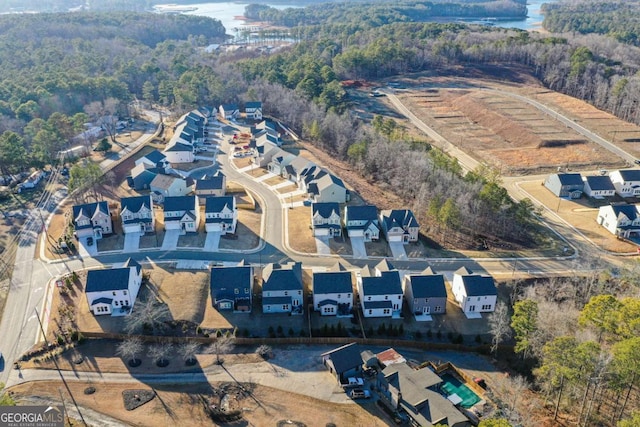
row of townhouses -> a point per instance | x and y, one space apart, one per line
380 292
624 183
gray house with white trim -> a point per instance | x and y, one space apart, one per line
565 185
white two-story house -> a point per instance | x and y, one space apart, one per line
333 293
282 290
253 110
325 219
399 225
220 214
92 220
626 182
620 220
182 213
380 294
474 293
136 214
113 291
362 221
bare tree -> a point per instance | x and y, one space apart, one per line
499 326
222 345
188 351
159 353
148 315
130 349
105 115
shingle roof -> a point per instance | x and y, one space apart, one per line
630 211
277 277
113 279
600 183
387 284
428 286
332 283
328 180
164 182
89 210
402 218
325 210
180 203
134 204
102 300
211 183
570 179
254 104
217 204
630 174
361 213
384 265
477 285
345 358
155 156
223 281
179 147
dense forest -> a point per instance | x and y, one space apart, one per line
615 18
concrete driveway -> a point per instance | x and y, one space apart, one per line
322 245
84 250
170 241
397 249
358 248
132 242
212 241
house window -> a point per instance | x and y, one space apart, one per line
268 308
114 293
368 298
236 291
286 293
370 312
124 292
115 303
437 309
285 307
486 307
386 297
472 308
386 311
246 291
299 292
339 296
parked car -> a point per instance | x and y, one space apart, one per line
359 393
354 381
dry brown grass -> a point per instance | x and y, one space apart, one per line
300 234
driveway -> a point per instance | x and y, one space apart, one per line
170 241
132 242
85 250
357 246
322 245
397 249
212 241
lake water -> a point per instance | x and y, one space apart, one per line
227 12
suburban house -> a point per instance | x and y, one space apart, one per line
232 288
599 187
620 220
278 163
344 362
333 293
263 155
417 393
362 221
308 177
253 110
626 182
229 111
214 185
328 188
142 175
474 292
182 213
293 170
325 219
380 294
220 214
282 288
399 225
155 159
113 291
266 127
565 185
426 293
187 134
137 214
164 186
92 220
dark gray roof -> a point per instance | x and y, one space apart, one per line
361 213
102 300
329 179
113 279
387 284
410 382
254 104
156 156
384 265
313 188
133 204
325 210
229 107
179 147
463 271
327 302
630 211
278 277
180 203
345 358
332 283
89 210
223 282
217 204
402 218
630 174
570 179
477 285
600 183
428 286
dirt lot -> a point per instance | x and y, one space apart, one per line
582 214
